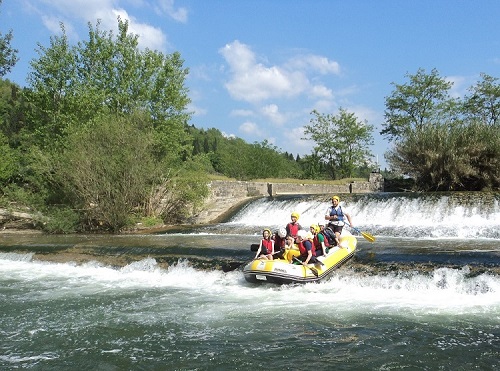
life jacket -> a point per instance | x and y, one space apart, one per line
338 212
303 249
316 242
267 245
340 216
318 246
292 229
325 239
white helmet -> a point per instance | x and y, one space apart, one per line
282 232
302 234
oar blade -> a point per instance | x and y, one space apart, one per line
368 236
231 266
314 271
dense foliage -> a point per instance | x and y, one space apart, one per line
99 135
445 143
341 142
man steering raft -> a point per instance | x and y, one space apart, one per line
335 215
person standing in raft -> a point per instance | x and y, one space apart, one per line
335 215
306 248
293 227
266 246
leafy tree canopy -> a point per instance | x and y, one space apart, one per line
341 141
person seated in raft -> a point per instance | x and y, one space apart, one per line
335 215
279 238
322 232
293 227
266 246
306 248
289 245
318 241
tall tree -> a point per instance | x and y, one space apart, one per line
129 97
70 85
424 99
342 141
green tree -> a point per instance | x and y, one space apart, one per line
422 101
341 141
8 161
85 154
484 102
8 55
70 85
444 144
106 169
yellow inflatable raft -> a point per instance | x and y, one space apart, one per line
282 271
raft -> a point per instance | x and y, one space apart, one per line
282 271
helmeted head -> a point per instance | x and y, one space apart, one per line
321 224
282 232
302 234
336 198
295 215
269 233
315 228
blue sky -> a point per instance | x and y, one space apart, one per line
259 67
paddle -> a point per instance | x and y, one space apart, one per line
313 270
367 236
254 247
231 266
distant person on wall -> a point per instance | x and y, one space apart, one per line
335 215
266 246
293 227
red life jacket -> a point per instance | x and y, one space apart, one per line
267 245
325 239
303 249
293 229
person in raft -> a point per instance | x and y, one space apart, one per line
279 238
335 215
306 248
266 246
318 240
293 227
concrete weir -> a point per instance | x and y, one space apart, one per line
227 196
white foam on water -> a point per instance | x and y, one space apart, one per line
445 290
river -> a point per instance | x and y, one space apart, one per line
424 296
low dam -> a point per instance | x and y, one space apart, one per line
226 196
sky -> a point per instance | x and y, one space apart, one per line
259 67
